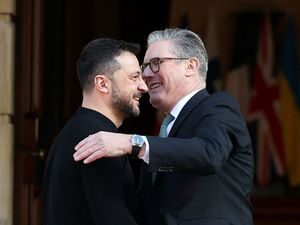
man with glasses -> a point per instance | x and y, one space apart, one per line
202 173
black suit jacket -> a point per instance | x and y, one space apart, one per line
102 192
205 168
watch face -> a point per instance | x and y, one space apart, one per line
137 140
137 143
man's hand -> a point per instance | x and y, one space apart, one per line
102 144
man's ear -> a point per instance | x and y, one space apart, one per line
101 83
192 66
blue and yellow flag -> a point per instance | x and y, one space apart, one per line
289 84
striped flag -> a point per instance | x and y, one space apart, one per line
243 53
263 108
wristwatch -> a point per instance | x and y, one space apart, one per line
137 143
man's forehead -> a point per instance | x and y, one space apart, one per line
157 49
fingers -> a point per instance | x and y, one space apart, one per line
81 148
85 151
96 155
85 148
80 144
90 149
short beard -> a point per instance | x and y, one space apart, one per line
123 105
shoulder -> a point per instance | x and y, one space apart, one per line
88 122
221 99
203 102
222 96
218 103
79 127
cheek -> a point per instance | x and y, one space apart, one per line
131 91
172 84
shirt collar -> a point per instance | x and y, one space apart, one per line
178 107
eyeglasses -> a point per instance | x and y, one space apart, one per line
154 63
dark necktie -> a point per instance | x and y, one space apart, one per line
163 133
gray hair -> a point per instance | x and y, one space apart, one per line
186 44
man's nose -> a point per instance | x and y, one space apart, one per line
143 86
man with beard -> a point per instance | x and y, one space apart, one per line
103 192
200 169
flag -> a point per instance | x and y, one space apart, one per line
212 47
237 84
289 80
263 108
237 79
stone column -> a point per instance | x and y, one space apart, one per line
7 43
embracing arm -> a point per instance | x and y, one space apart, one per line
104 144
207 149
203 145
203 153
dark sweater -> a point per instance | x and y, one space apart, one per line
98 193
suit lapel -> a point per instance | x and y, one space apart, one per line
189 106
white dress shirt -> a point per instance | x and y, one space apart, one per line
174 112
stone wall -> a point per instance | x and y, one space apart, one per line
7 10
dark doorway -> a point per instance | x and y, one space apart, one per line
50 36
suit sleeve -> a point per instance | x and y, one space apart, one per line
102 182
203 143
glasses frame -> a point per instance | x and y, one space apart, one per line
159 61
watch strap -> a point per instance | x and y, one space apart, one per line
135 150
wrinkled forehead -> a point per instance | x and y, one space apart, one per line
158 49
